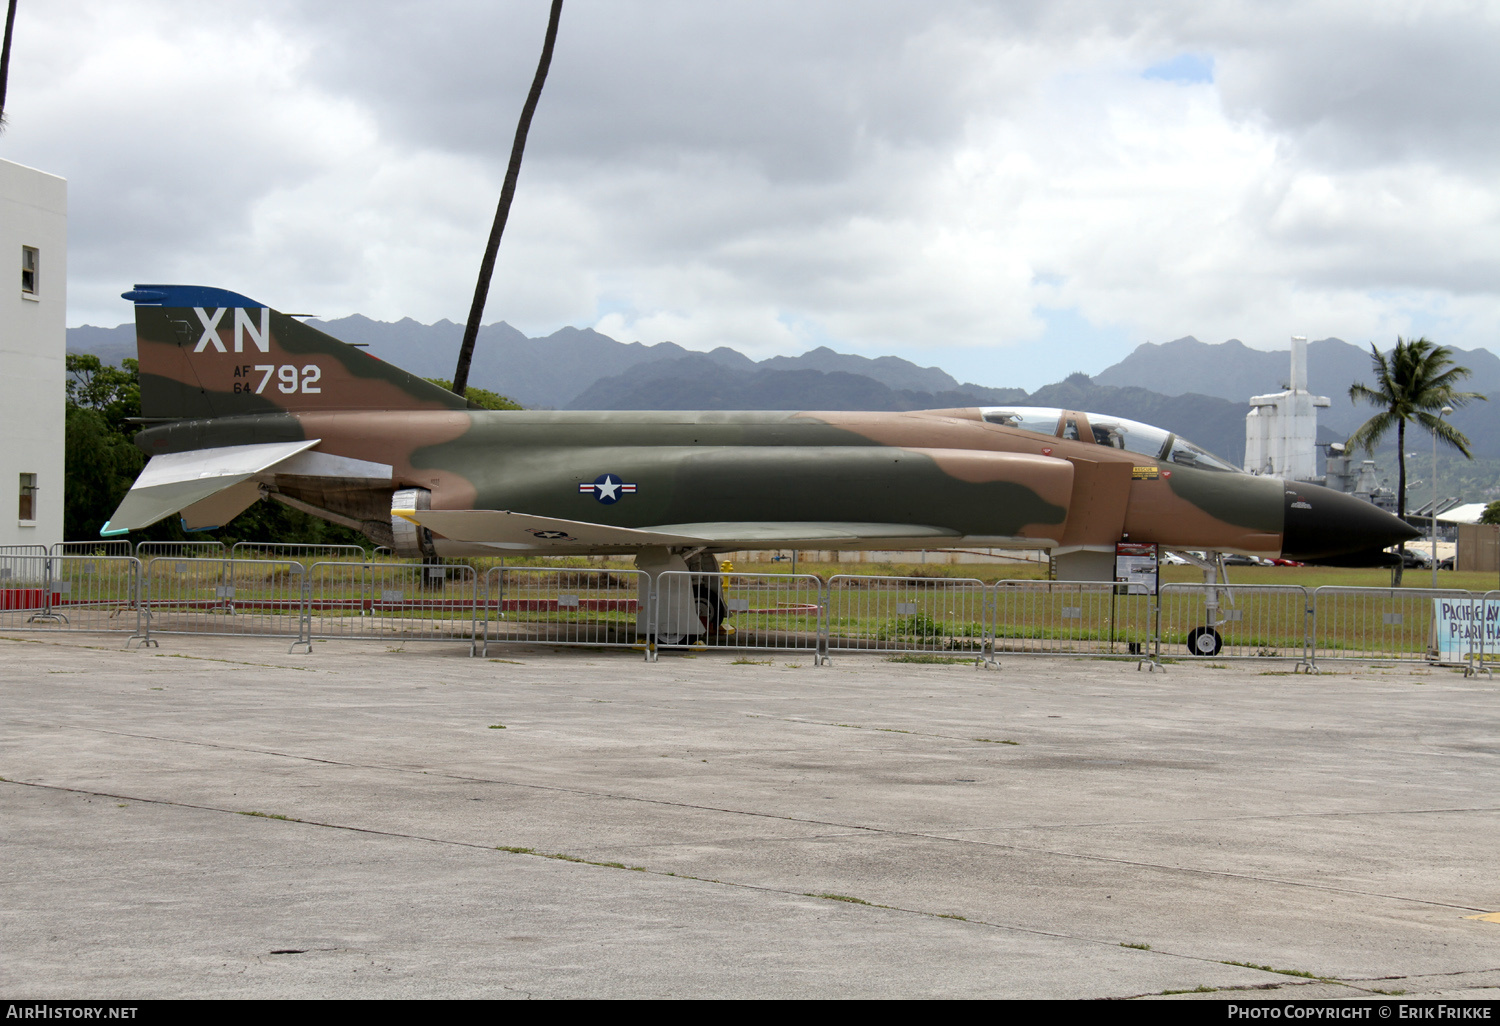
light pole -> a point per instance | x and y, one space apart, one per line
1433 512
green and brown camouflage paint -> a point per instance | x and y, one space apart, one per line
231 372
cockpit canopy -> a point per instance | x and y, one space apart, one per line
1103 429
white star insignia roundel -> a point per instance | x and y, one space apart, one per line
607 488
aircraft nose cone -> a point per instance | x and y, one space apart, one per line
1322 523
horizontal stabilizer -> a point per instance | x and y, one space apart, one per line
174 481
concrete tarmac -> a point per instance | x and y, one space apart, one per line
215 818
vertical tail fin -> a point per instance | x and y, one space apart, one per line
208 352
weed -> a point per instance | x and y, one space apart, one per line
996 741
562 857
923 658
950 915
839 897
1195 990
1138 947
918 625
269 815
1273 969
746 661
497 726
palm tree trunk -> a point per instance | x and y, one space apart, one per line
1400 500
10 23
502 212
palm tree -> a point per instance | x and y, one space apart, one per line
1412 382
502 212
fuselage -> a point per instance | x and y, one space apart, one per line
974 475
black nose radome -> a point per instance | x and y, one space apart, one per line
1321 523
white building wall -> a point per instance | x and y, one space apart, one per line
33 341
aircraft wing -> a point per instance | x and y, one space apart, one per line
504 529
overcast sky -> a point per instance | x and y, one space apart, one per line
1012 191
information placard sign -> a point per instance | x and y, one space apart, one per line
1137 566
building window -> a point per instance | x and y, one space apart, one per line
28 270
28 497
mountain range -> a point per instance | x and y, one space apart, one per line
1198 389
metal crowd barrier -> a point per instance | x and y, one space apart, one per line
246 597
562 606
1377 624
1484 637
221 595
1236 621
909 615
23 550
181 549
392 602
758 612
296 550
103 547
1088 618
70 593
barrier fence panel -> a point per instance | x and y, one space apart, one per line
23 550
180 549
1381 624
1236 621
224 596
393 602
909 614
102 547
562 606
1484 644
300 551
1072 618
70 593
762 612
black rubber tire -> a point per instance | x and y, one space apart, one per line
1204 641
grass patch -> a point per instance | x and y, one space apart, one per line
1195 990
269 815
746 661
839 897
564 857
1138 947
928 659
497 726
996 741
1273 969
950 915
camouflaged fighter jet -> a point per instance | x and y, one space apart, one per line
242 402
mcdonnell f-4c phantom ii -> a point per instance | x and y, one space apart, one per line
242 402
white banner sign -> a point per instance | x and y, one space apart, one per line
1462 625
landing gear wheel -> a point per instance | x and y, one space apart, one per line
1204 641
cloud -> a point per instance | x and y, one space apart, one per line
1027 189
